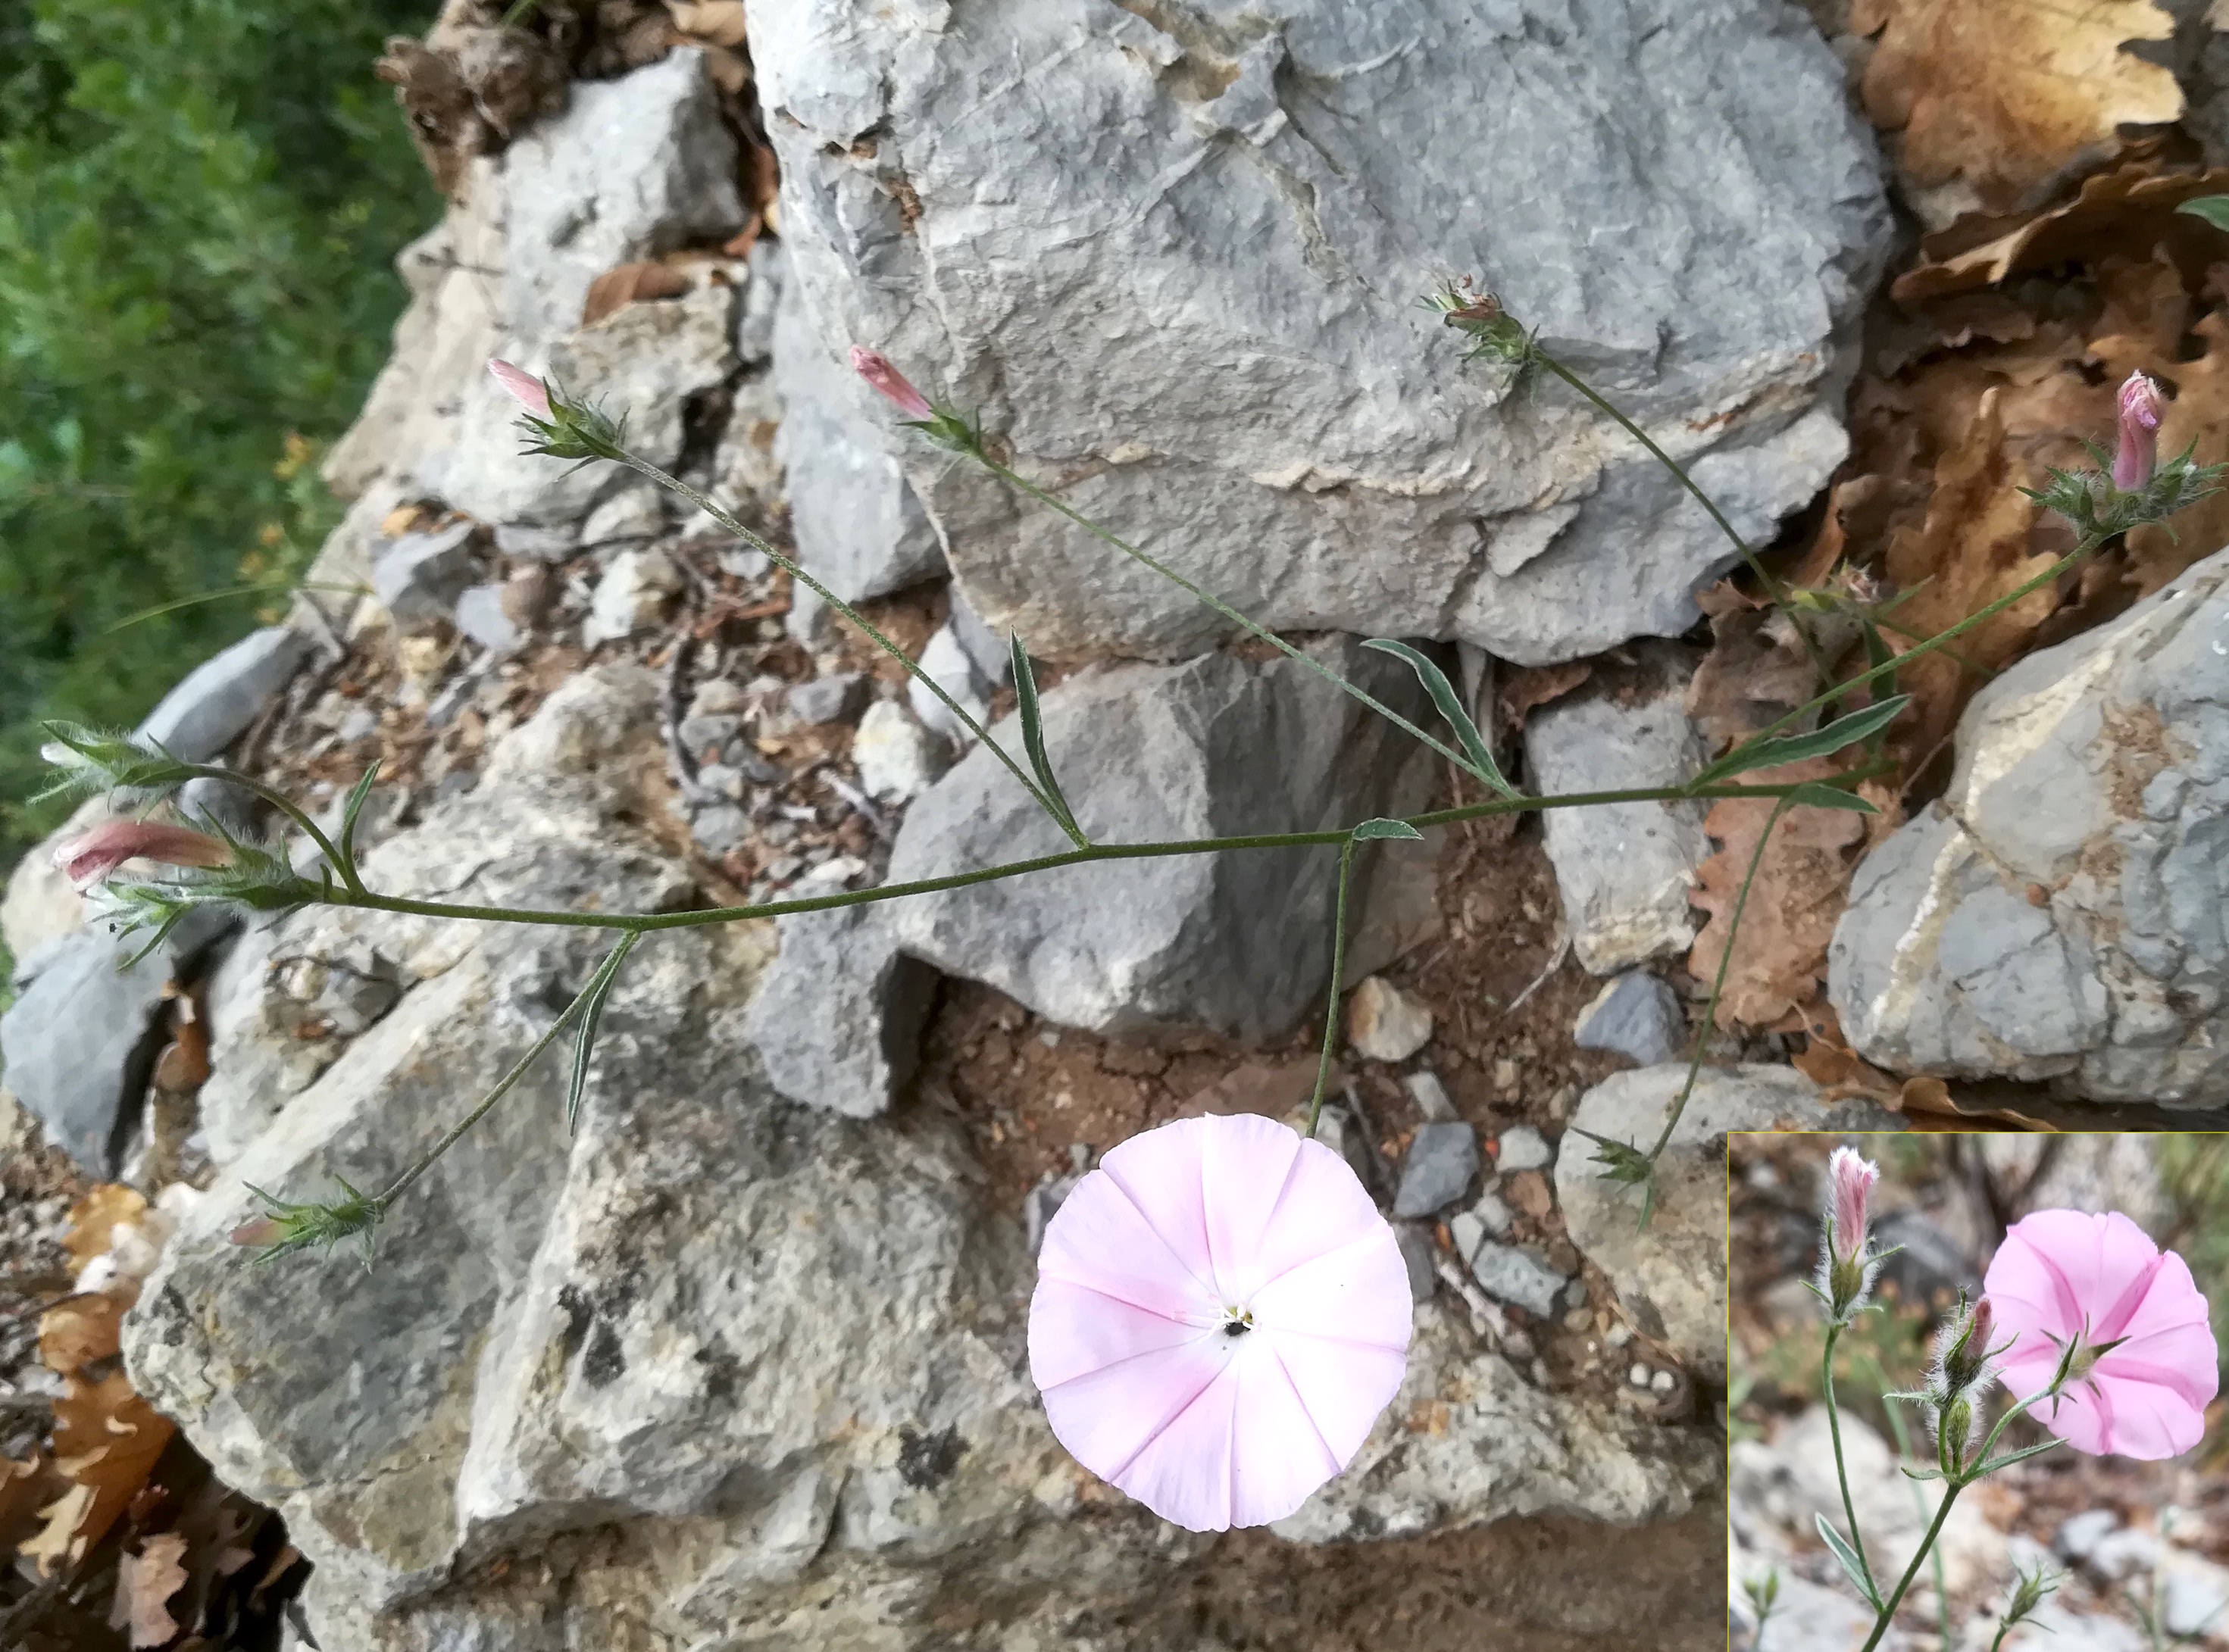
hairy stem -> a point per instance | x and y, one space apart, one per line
727 520
1841 1472
1337 970
344 866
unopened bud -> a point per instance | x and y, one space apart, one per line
91 859
2141 411
524 388
1851 1180
875 368
1954 1423
263 1230
1968 1355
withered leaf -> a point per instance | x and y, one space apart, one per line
720 22
2005 95
107 1441
628 283
144 1583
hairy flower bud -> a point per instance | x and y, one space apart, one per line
524 388
1851 1180
875 368
2141 411
89 859
1966 1351
1954 1424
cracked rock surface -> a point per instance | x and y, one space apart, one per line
2062 913
1231 221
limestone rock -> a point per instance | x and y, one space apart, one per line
896 756
1219 745
633 596
221 696
1636 1016
1672 1276
838 1021
2061 913
1441 1163
858 524
1384 1023
1625 868
950 667
1519 1275
419 578
1220 347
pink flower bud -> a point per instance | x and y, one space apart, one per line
525 389
2141 411
262 1231
1852 1180
89 859
875 367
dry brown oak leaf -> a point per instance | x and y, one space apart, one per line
144 1582
2005 94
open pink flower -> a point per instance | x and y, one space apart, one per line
89 859
1221 1313
2066 1274
524 388
875 367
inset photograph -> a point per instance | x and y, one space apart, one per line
1973 1396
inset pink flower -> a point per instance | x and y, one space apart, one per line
1221 1313
89 859
875 368
2066 1274
522 386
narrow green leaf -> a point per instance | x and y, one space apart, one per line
1794 748
1817 794
2214 209
2010 1457
1853 1568
592 1012
1451 708
358 795
1025 697
1373 830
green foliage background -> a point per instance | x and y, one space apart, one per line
199 201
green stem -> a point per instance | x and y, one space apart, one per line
1841 1472
503 1087
340 863
1995 1645
727 520
1229 613
1903 1433
1718 985
650 921
1880 1625
1338 969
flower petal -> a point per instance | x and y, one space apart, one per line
1324 1206
1106 1418
1100 1237
1075 1330
1247 1168
1278 1454
1161 1173
1357 1293
1343 1386
1183 1472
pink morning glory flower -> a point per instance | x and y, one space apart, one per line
1221 1313
2067 1277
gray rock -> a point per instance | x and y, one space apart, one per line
1624 869
221 696
858 527
1430 1097
633 596
1384 1023
720 827
2130 1552
2079 1535
1415 1240
947 664
480 616
2196 1597
1638 1017
1518 1275
1220 745
636 167
1672 1276
985 648
1252 380
633 513
419 577
897 759
825 699
1523 1148
2062 913
78 1042
1441 1163
1041 1204
838 1021
704 732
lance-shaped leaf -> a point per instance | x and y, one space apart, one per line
2214 209
1377 830
1444 696
359 794
1853 1568
1025 697
592 1012
1771 754
1817 794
